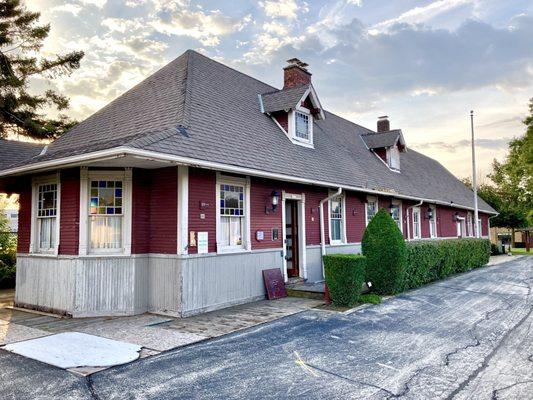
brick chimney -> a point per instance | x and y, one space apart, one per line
296 74
383 124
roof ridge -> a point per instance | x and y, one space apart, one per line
187 93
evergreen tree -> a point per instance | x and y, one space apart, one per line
21 39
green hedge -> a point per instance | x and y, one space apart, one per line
384 247
428 261
345 275
7 275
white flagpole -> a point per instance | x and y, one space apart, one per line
474 180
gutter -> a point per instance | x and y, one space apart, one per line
322 228
409 219
123 151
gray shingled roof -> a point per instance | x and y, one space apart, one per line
15 152
380 140
285 99
198 108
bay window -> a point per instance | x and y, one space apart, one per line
45 225
232 215
336 219
105 212
371 208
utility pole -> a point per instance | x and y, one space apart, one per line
474 180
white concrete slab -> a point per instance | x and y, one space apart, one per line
74 349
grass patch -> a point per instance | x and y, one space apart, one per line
522 251
370 298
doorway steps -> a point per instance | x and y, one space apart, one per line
307 290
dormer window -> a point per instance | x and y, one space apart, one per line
393 158
302 126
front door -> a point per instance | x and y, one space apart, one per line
291 238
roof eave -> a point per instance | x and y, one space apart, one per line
179 160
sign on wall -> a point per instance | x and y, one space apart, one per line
202 243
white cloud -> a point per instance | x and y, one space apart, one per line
97 3
283 8
419 15
276 28
208 28
74 9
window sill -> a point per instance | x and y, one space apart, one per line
43 254
232 250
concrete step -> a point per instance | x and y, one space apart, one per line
305 295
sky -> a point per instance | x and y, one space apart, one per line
425 64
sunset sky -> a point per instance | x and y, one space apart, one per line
426 64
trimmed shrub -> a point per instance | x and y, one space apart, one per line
428 261
345 275
384 248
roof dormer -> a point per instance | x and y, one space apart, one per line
386 144
296 106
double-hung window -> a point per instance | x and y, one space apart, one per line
432 221
469 225
416 223
105 215
302 126
393 158
232 232
336 225
371 208
396 214
46 227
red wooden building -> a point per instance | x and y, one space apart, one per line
176 195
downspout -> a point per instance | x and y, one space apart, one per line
409 219
322 228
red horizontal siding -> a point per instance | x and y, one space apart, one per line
70 212
24 224
202 206
163 211
355 217
260 198
141 205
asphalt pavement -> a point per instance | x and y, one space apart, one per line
467 337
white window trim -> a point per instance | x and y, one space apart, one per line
247 243
417 210
398 203
388 154
34 234
479 227
85 177
460 225
291 121
433 233
370 199
343 219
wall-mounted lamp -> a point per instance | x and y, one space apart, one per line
274 198
429 214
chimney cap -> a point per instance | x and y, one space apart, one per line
384 117
296 62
